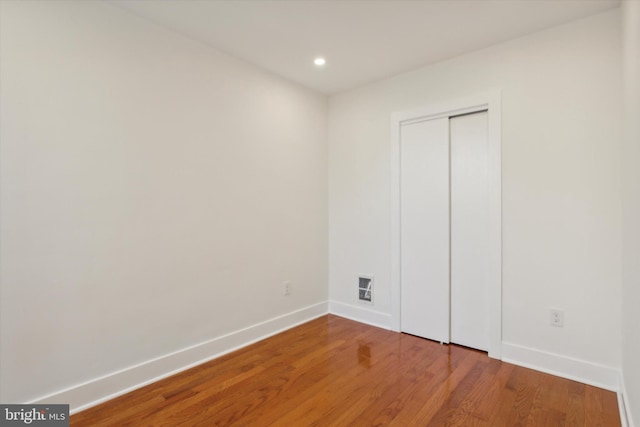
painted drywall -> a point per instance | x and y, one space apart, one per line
631 208
561 133
155 194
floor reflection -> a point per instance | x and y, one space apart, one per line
364 355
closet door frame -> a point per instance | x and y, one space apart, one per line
489 101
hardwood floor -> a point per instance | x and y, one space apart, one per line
336 372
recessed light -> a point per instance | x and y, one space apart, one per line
319 61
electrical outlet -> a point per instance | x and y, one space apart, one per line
286 288
557 318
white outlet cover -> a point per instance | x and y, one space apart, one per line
286 288
556 318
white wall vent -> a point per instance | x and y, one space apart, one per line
365 289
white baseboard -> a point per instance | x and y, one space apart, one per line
360 314
98 390
583 371
623 402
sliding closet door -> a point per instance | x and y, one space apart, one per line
424 228
469 227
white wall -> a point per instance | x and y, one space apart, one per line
561 132
631 208
155 194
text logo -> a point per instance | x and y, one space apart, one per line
34 415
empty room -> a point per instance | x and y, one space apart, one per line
320 212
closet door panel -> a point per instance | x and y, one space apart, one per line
424 229
469 225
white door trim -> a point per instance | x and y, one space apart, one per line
486 101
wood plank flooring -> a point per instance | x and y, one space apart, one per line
336 372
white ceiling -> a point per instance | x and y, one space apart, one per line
363 41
